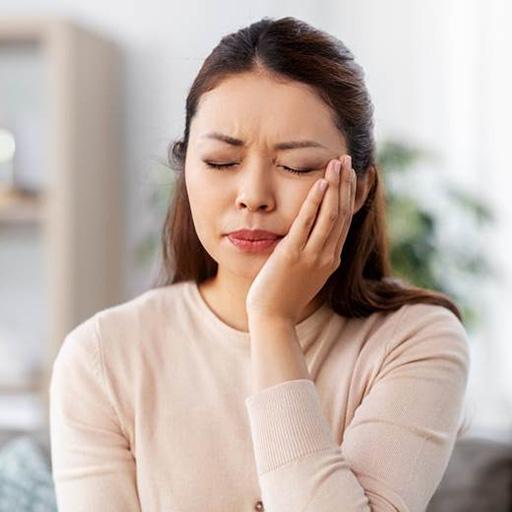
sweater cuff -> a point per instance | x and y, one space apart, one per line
287 423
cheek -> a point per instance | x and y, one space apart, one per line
205 206
202 185
291 202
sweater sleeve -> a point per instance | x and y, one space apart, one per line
92 465
397 447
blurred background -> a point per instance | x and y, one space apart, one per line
91 94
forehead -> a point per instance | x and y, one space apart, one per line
259 109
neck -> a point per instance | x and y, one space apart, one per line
226 298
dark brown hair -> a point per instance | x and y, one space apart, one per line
290 49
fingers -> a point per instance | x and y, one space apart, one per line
324 219
329 209
330 231
340 234
301 227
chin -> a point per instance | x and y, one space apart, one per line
245 267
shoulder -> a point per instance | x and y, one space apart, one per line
425 332
144 315
151 303
119 330
434 319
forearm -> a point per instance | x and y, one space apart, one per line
276 355
299 463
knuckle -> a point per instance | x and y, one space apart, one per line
333 262
344 209
309 219
312 258
326 262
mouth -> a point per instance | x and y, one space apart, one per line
249 245
254 234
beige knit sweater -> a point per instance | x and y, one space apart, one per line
151 410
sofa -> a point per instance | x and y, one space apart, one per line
478 477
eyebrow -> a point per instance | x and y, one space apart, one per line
294 144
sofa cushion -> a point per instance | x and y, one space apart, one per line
478 478
25 477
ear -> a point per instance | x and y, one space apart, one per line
364 183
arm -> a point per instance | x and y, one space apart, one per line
92 466
398 444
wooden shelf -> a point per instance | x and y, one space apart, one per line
75 254
29 387
21 207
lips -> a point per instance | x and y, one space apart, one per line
254 234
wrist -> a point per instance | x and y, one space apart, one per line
258 319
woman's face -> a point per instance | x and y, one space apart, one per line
257 191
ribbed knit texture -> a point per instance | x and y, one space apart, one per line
152 410
287 423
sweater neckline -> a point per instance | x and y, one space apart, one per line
308 326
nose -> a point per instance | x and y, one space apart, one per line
253 205
255 188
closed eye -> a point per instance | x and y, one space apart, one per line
289 169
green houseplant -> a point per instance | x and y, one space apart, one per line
419 253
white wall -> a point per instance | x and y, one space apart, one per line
439 75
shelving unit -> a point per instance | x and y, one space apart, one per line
60 242
22 208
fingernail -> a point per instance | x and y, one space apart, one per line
337 167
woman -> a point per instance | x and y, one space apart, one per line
286 374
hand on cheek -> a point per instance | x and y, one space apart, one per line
303 260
